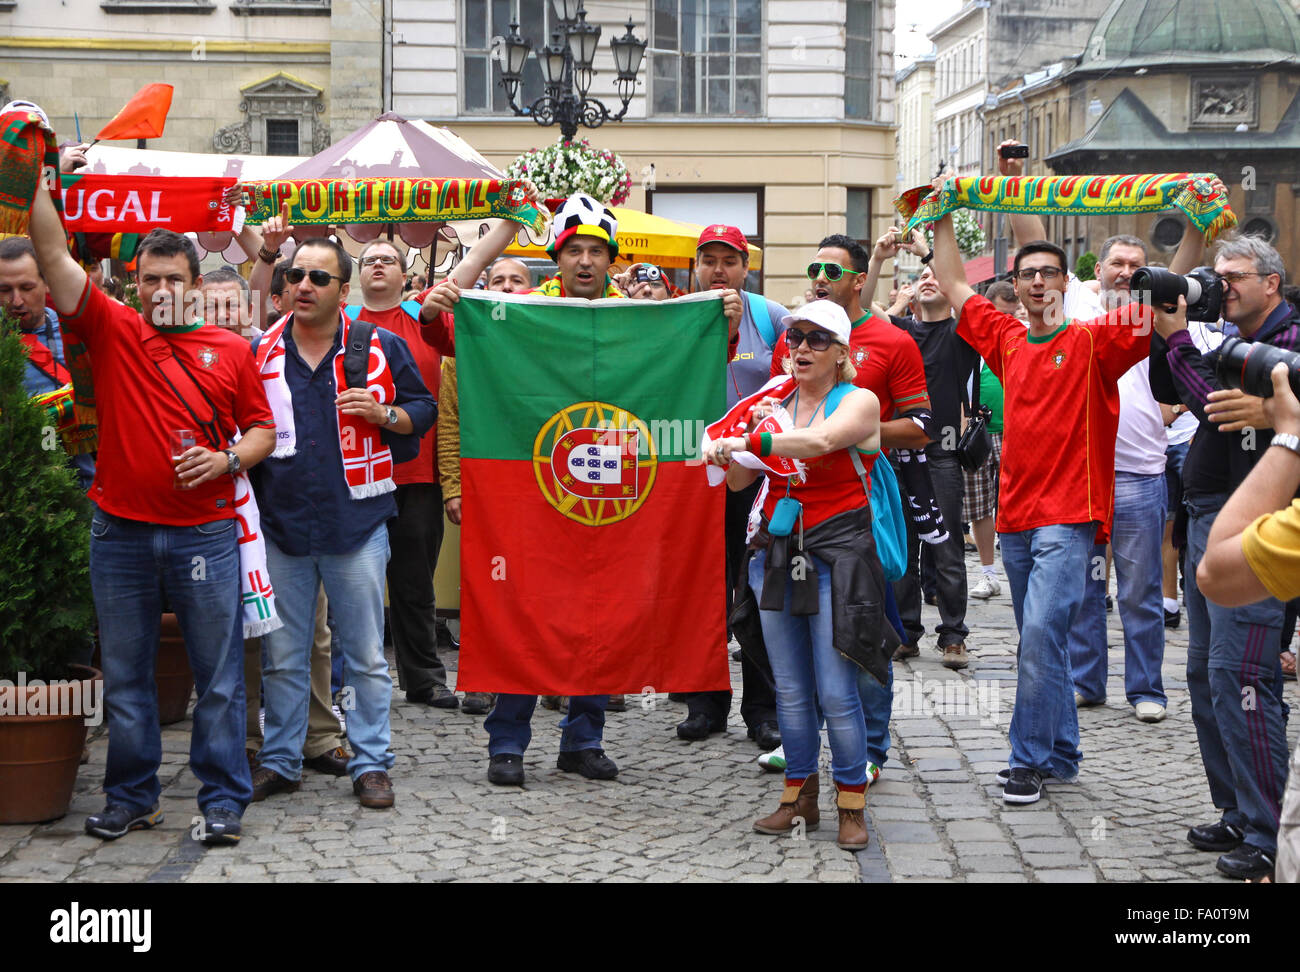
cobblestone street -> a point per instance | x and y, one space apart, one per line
682 811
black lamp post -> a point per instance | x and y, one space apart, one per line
566 66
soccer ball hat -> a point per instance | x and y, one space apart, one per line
581 215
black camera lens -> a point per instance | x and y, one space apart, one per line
1203 289
1248 365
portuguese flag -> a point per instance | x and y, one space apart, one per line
592 556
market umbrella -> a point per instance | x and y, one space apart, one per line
642 238
393 147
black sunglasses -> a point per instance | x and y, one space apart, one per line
817 340
319 277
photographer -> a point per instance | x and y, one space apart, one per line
1231 653
1254 552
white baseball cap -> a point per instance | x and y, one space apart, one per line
29 106
825 314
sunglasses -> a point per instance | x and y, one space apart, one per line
832 271
319 277
817 340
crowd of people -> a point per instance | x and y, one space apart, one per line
1105 445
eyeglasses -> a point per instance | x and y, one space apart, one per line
319 277
817 340
370 261
1049 273
1237 276
833 271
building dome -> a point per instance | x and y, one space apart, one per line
1137 31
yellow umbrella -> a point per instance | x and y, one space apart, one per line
646 238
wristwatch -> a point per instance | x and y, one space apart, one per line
232 461
392 416
1287 441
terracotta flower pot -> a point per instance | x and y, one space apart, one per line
40 753
172 674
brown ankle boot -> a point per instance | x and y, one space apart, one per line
853 824
796 802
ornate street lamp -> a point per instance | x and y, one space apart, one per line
567 68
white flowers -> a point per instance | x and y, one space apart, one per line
563 168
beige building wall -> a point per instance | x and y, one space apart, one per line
800 152
917 155
960 88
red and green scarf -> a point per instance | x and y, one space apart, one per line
554 287
72 405
28 154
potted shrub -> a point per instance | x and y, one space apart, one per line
46 612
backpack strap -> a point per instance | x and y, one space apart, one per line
356 357
352 310
762 317
836 396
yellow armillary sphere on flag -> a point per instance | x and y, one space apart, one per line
595 463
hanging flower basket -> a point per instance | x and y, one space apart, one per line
561 169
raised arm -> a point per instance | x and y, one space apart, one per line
63 275
1191 250
1024 227
489 246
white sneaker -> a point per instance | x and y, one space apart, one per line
986 588
773 762
1149 711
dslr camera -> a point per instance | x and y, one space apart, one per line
1203 289
1248 365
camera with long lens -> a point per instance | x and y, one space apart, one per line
1248 365
1203 289
648 273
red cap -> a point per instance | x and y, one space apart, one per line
729 235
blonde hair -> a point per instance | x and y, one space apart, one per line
847 371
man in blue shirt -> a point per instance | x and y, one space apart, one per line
22 294
325 498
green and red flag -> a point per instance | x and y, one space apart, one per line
592 556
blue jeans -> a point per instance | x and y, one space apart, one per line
1135 543
1175 456
1235 680
510 728
132 565
354 586
811 675
1045 568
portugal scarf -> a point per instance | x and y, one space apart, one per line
554 287
367 462
71 406
1102 195
255 592
28 154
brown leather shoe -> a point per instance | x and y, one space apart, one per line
374 789
333 761
268 781
955 656
906 651
853 825
796 802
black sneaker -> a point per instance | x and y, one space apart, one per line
1246 863
591 763
221 826
1110 604
114 821
506 769
1023 786
1217 836
1004 774
1173 618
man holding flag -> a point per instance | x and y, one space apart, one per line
584 246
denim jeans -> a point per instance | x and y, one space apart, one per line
949 560
1045 571
510 727
811 675
1235 680
354 585
1135 542
132 566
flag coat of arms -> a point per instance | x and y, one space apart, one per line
592 555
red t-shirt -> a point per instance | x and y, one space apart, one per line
1061 411
424 467
888 363
137 409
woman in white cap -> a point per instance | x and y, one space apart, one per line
815 572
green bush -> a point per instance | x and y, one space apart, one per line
1085 268
46 613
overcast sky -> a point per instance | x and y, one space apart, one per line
911 23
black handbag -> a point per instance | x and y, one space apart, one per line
976 443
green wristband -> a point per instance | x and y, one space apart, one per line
765 443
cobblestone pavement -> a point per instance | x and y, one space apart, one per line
682 811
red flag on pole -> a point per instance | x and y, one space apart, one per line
142 117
